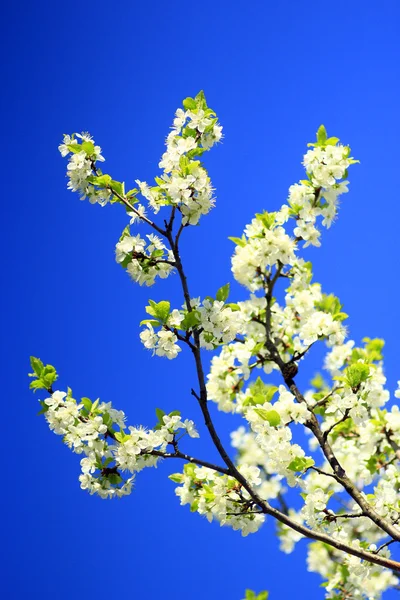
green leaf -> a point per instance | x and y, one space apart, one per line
189 469
45 408
125 233
121 436
188 132
74 148
332 141
163 309
100 181
266 218
191 320
118 187
87 403
238 241
321 136
373 349
48 376
159 310
37 366
340 316
176 477
372 463
201 100
153 323
107 420
272 416
196 152
260 393
223 293
269 392
160 414
184 162
157 253
151 308
234 307
114 478
88 147
300 463
189 103
175 413
37 384
357 374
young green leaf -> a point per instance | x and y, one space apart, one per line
321 136
223 293
272 416
189 103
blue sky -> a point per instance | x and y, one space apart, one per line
273 72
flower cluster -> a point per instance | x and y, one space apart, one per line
185 183
135 449
269 422
90 428
326 165
229 370
83 155
220 497
309 316
86 427
349 577
250 453
162 342
264 244
144 260
217 322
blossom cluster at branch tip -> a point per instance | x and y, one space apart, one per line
83 155
91 428
185 183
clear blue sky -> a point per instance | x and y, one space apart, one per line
273 71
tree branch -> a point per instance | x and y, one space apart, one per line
130 206
289 371
191 459
265 507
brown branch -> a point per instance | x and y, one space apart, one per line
265 507
331 516
129 205
333 542
384 546
338 470
332 427
321 472
395 447
289 371
178 454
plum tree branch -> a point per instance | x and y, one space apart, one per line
289 371
232 470
178 454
